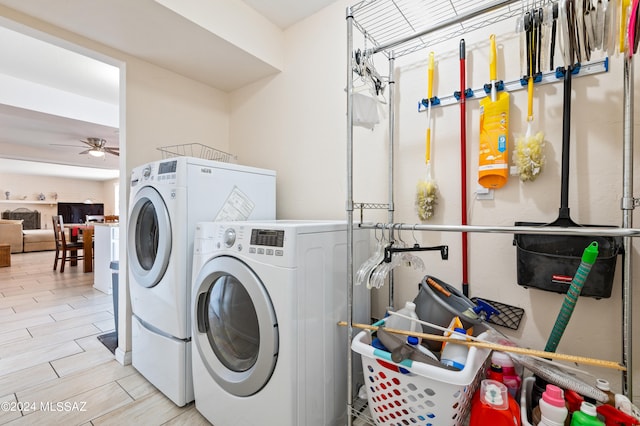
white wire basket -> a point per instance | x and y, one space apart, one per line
196 150
413 392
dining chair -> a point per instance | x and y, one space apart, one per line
65 250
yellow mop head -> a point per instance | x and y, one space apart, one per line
426 198
529 156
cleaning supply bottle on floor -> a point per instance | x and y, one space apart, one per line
587 416
509 375
492 405
604 386
495 373
553 411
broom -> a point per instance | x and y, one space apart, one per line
427 189
528 155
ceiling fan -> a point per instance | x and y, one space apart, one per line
97 147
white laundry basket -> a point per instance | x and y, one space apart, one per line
412 392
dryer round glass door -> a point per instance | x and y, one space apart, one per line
236 330
149 237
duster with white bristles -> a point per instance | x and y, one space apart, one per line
529 150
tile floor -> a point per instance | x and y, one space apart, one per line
52 365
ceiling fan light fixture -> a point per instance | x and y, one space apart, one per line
96 153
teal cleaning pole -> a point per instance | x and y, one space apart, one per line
571 298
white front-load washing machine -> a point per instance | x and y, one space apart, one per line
167 199
267 297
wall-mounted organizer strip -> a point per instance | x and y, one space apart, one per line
581 70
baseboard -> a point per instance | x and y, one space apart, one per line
123 357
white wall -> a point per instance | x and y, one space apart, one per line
295 123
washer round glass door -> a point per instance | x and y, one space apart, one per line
236 330
149 237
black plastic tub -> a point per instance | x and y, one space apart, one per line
548 262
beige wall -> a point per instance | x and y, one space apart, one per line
295 123
158 108
67 190
298 127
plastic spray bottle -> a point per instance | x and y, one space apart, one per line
587 416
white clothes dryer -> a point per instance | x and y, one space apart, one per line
266 300
167 199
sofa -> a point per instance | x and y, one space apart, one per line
25 240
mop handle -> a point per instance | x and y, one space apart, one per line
430 70
571 298
492 68
463 165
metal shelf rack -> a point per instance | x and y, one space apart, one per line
396 28
400 27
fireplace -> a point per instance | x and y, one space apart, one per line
31 219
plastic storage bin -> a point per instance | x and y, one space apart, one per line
416 393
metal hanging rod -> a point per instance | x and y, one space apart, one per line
541 230
581 70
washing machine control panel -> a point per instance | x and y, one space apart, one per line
267 237
161 172
250 241
229 237
273 245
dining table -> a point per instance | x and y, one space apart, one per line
75 229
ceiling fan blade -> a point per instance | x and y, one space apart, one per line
112 151
86 151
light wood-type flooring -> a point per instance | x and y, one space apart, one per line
53 369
